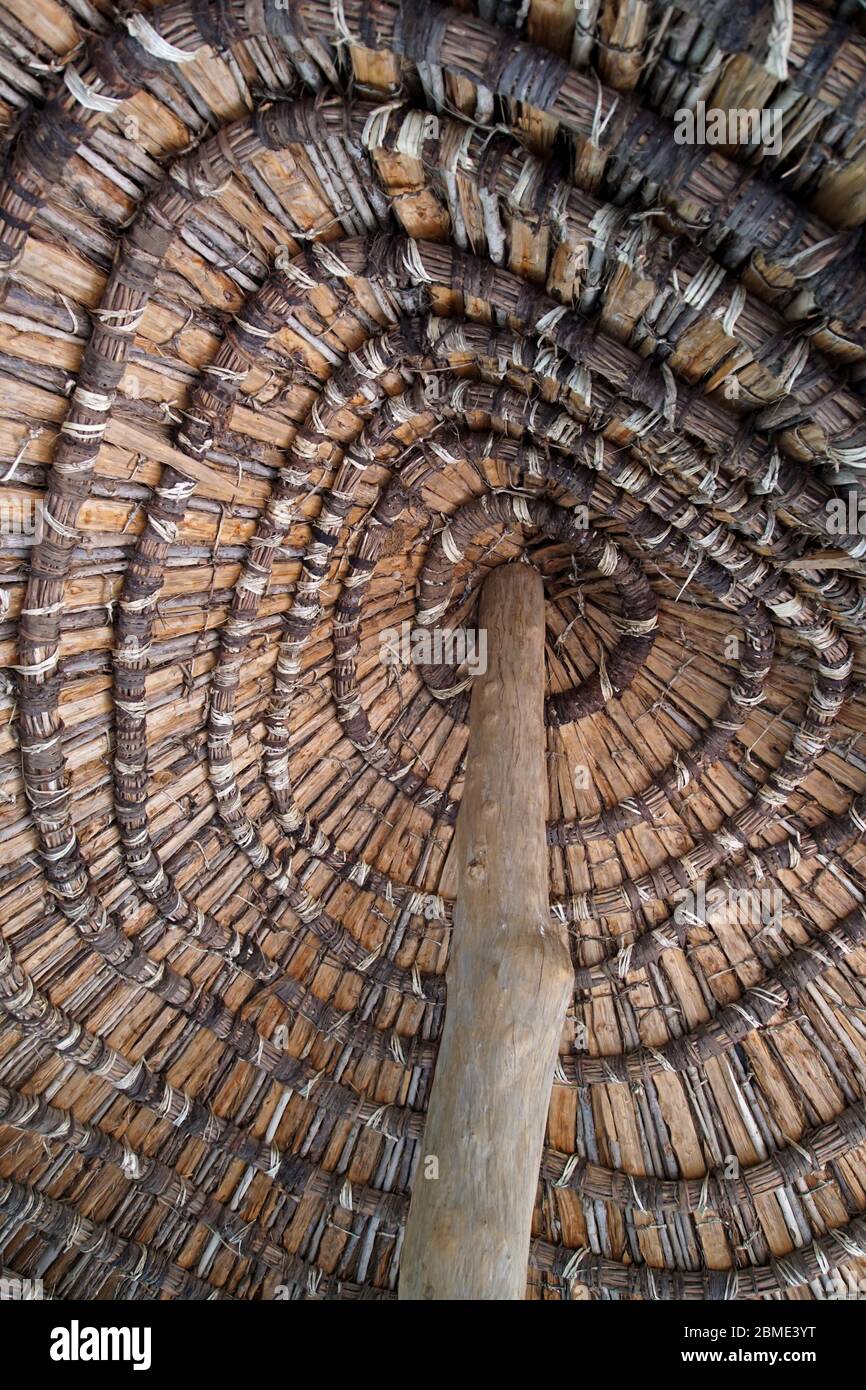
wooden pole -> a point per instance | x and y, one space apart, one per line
509 982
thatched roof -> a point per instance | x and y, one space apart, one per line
312 313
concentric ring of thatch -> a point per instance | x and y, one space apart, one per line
313 314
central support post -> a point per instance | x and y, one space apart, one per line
509 981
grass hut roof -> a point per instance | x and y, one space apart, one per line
312 313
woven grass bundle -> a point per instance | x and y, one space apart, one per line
313 314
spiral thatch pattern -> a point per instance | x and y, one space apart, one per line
313 312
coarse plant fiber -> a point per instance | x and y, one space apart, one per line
312 312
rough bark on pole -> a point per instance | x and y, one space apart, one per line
509 980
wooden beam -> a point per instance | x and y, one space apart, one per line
129 436
509 982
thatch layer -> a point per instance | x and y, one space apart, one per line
312 313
